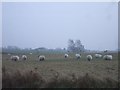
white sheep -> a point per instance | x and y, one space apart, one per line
107 57
30 53
89 57
15 58
98 55
66 55
78 56
9 54
41 57
24 57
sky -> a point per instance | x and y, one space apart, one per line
0 25
50 24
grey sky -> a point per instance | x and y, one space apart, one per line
50 25
0 25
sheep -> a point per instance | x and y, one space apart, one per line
15 58
78 56
66 55
105 51
107 57
30 53
89 57
41 57
9 54
98 55
24 57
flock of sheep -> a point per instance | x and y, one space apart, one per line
78 56
24 57
89 57
15 57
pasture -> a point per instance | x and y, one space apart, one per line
64 67
0 71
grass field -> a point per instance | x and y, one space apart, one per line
57 65
0 71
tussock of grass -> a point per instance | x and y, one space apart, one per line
92 82
85 81
29 79
33 79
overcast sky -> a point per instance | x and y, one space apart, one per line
50 25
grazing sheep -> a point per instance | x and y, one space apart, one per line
66 55
78 56
9 54
105 51
89 57
107 57
41 57
98 55
24 57
15 58
30 53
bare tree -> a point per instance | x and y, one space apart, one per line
71 45
75 46
79 47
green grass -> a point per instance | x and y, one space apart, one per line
56 63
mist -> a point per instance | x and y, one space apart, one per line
50 25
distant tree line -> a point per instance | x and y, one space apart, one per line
17 50
73 46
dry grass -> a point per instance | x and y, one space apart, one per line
32 79
99 70
0 71
17 79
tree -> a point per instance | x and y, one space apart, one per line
71 45
78 46
75 46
